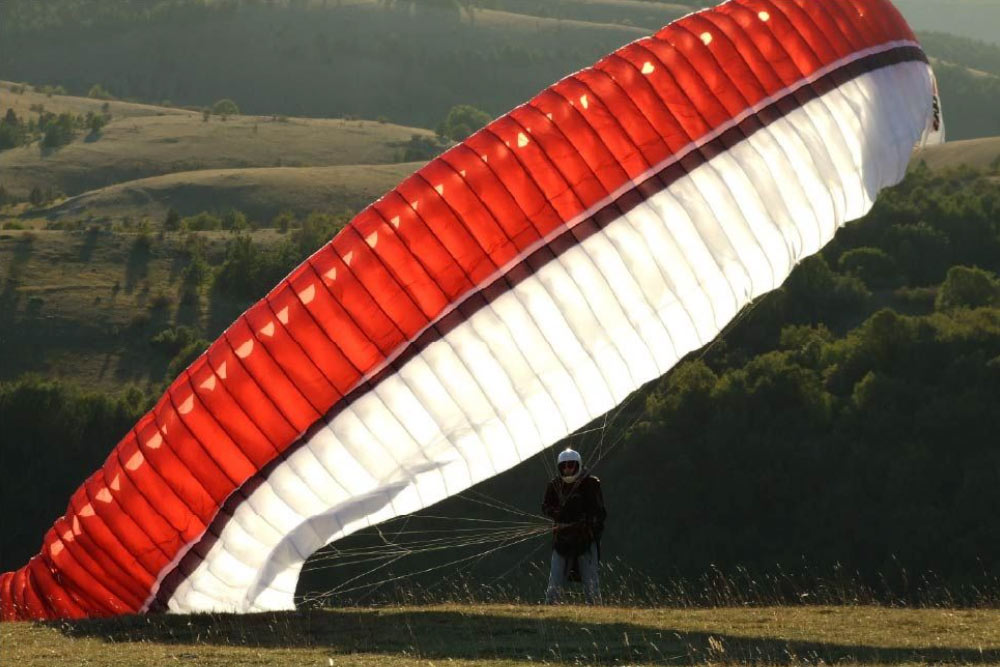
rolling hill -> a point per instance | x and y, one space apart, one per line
260 193
979 153
640 13
143 141
407 62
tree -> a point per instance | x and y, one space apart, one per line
284 221
461 121
235 221
249 269
99 92
58 130
225 107
12 131
202 222
36 198
817 294
316 230
95 122
968 287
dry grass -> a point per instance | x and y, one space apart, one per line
508 634
21 103
261 193
980 153
620 14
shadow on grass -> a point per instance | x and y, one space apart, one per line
12 278
137 265
444 635
189 311
86 250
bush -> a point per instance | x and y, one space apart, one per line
99 92
202 222
872 265
968 287
421 147
185 356
172 340
317 230
95 122
284 221
225 107
234 221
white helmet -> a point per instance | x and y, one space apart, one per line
569 464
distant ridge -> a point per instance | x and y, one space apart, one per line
980 153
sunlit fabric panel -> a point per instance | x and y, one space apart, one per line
515 288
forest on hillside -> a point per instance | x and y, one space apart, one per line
844 424
406 61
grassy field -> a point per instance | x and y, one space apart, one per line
514 635
972 152
260 192
143 141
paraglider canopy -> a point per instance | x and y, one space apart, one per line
507 293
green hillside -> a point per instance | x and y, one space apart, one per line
974 19
969 99
975 54
406 61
